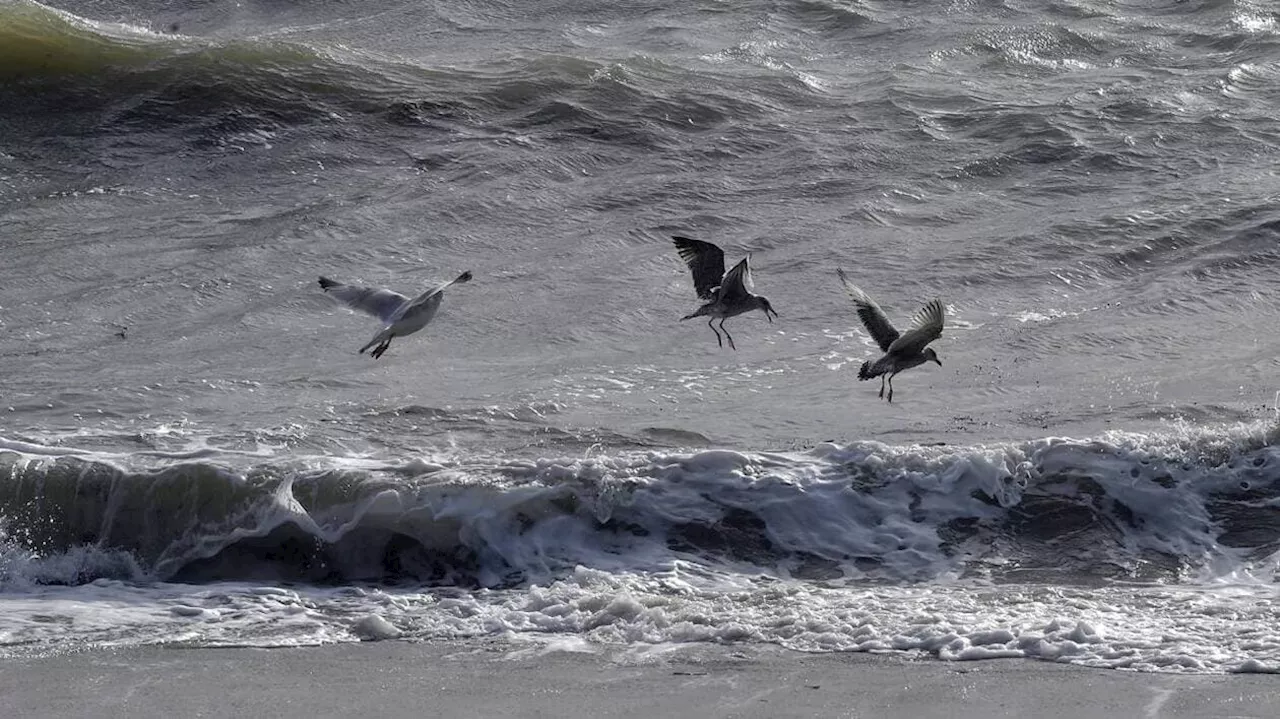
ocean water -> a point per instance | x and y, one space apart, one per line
192 451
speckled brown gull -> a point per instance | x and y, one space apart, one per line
728 294
400 316
901 351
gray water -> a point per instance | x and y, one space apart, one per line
1089 187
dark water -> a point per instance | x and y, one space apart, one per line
1089 187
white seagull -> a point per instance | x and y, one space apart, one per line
400 315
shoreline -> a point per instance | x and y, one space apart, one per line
496 678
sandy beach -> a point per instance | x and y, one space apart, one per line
497 679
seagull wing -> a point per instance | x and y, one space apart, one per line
926 327
878 326
383 304
737 281
706 263
434 293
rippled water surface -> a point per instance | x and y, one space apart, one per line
1088 186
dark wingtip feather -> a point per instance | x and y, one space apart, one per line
464 277
688 243
326 283
865 372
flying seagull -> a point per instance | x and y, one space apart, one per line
901 351
727 294
400 316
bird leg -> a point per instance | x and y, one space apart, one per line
882 386
891 388
719 342
727 335
380 349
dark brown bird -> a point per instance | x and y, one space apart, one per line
901 351
727 294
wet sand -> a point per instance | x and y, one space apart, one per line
497 679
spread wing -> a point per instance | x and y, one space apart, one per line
438 289
926 327
878 326
706 263
380 303
435 294
737 282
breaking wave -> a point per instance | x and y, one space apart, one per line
1121 507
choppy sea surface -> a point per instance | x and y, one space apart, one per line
192 451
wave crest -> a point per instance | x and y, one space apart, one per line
1123 506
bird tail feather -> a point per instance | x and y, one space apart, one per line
866 371
385 334
702 311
